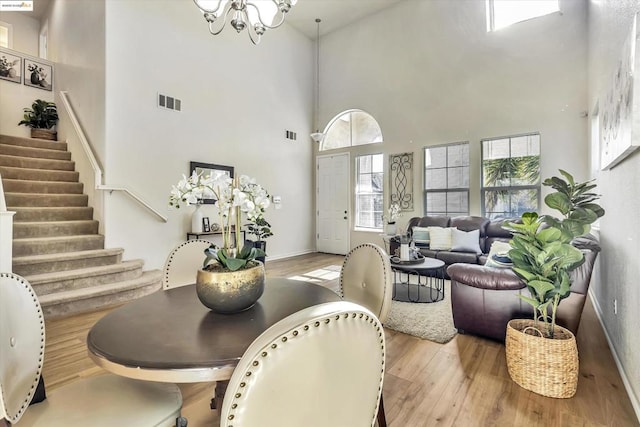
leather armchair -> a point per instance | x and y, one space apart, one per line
484 299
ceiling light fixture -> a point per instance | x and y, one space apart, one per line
255 15
317 136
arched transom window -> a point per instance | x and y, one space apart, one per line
349 128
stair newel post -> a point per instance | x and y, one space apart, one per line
6 234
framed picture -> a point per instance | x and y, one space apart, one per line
206 169
10 67
206 227
38 75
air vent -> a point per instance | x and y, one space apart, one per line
169 102
290 135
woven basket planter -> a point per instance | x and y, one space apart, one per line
542 365
44 134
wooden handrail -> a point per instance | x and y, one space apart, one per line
94 162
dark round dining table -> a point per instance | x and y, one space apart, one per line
169 336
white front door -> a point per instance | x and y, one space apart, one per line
332 204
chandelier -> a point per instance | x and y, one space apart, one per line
255 15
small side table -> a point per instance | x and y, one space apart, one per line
386 238
430 286
214 233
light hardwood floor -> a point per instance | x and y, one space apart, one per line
461 383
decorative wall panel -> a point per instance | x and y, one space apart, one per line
401 180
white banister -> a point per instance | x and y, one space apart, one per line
6 234
94 162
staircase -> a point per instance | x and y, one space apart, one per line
56 245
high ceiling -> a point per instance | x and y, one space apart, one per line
334 13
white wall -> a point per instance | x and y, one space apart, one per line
617 279
26 31
77 46
76 43
430 74
237 101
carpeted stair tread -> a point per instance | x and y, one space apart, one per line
86 299
33 142
43 187
31 163
84 273
48 245
47 263
29 174
45 200
65 213
24 230
41 153
56 244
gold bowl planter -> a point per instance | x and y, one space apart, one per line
230 292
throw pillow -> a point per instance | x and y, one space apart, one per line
499 255
439 238
420 235
465 241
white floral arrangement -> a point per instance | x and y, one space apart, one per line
234 197
393 213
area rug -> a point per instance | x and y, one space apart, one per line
429 321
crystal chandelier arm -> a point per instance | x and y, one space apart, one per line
261 21
205 10
224 22
214 20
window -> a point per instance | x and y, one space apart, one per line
502 13
446 179
6 33
354 127
510 175
369 196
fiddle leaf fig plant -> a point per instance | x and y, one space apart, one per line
542 253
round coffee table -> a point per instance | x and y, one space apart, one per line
429 276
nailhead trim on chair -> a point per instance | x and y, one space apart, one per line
25 403
172 255
295 333
381 253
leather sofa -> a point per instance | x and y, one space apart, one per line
490 231
484 299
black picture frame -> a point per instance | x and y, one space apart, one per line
10 67
207 168
206 227
38 75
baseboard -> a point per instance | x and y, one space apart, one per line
634 399
289 255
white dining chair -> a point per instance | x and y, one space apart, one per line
183 262
366 279
100 401
322 366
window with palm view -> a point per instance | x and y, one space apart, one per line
510 175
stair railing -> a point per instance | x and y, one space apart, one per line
94 162
6 234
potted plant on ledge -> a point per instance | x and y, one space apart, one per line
542 356
261 229
231 279
42 118
392 216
